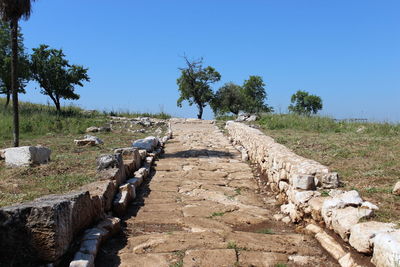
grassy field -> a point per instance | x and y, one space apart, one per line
70 166
366 155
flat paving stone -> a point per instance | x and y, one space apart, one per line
201 206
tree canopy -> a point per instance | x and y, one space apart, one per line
194 84
305 104
55 75
250 97
228 98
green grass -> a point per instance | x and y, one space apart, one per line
70 166
266 231
366 160
217 214
232 245
38 120
364 154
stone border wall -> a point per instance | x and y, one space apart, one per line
43 231
307 191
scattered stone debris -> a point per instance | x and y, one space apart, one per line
94 129
246 117
396 188
89 140
26 156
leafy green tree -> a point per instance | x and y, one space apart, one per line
24 74
255 95
12 11
305 104
194 84
228 98
55 75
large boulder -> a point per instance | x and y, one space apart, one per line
42 230
26 156
148 144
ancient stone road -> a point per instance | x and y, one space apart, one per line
203 207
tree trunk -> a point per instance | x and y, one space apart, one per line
14 79
58 106
200 111
8 96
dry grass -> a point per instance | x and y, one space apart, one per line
367 160
70 166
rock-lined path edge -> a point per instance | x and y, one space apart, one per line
202 206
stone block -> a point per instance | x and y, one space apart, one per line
26 156
387 249
305 182
123 198
330 245
82 260
107 161
344 219
362 234
42 230
148 144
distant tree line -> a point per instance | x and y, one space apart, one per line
194 86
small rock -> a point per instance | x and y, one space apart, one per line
286 219
278 216
109 161
97 140
396 189
92 129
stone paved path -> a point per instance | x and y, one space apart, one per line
203 207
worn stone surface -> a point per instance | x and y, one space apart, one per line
26 156
387 249
148 144
43 230
107 161
344 219
201 204
362 234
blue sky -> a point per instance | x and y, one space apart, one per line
347 52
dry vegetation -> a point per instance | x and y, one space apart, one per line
365 155
70 166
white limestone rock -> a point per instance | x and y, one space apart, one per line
396 188
96 140
305 182
26 156
387 249
344 219
148 144
362 234
341 200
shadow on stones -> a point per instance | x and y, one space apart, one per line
195 153
108 253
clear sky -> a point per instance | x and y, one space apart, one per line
346 51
